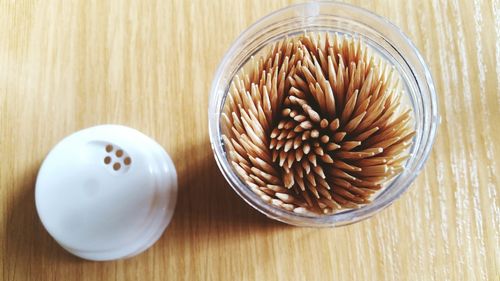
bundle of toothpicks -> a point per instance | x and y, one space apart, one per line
317 123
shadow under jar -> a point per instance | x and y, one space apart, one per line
299 106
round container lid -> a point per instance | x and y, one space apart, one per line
106 192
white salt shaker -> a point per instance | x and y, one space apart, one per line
107 192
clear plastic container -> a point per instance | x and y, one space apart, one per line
385 39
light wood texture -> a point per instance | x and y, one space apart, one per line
69 65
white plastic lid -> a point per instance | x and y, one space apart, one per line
106 192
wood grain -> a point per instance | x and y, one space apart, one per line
149 64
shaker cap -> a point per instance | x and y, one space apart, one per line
107 192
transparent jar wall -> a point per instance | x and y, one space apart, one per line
385 39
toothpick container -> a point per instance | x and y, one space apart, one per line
386 40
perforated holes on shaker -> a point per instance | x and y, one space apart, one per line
119 153
119 157
107 160
109 148
127 161
116 166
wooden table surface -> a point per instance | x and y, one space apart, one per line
149 65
